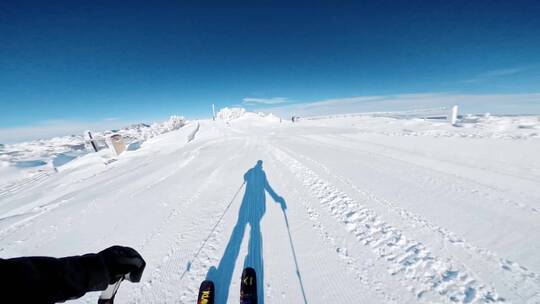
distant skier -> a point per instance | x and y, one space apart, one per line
52 280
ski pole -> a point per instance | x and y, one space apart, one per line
188 266
294 256
107 296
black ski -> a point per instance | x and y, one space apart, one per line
206 293
248 287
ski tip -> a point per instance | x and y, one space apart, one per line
249 277
207 284
248 286
206 293
249 280
248 271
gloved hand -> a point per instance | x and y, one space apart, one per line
120 261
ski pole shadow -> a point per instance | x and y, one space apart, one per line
251 213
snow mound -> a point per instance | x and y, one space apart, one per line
174 123
269 117
228 114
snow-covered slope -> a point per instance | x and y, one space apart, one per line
29 161
378 210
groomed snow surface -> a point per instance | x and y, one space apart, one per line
341 209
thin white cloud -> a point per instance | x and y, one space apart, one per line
264 101
494 74
493 103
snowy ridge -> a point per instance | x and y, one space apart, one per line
27 162
44 151
173 123
230 114
427 276
439 112
473 127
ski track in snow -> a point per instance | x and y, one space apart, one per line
24 183
520 280
444 179
357 143
425 274
177 265
168 270
349 262
47 205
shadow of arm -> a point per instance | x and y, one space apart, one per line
278 199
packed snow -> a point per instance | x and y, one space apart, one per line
347 208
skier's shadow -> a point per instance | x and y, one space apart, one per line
251 212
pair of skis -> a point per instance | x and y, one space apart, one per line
248 289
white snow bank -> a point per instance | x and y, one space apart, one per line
174 123
503 127
142 132
228 114
269 117
26 158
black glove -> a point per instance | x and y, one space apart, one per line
121 261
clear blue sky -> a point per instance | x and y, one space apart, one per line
106 60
